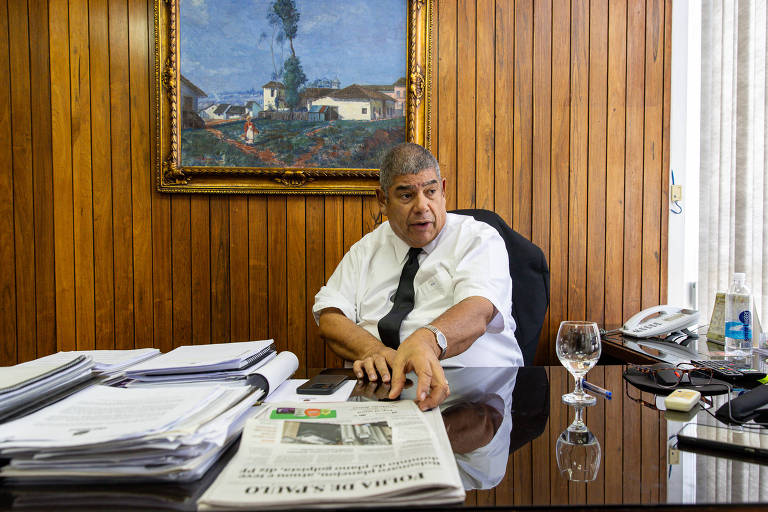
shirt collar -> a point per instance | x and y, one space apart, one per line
401 248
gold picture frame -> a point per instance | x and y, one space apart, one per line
174 177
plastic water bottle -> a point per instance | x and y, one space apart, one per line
738 318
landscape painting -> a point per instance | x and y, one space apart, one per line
287 87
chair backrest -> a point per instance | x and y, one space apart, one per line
530 281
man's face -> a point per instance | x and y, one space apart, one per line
415 205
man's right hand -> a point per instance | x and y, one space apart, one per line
375 362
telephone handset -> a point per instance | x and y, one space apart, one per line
659 320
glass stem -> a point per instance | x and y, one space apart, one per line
578 390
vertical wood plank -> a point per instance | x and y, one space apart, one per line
542 454
484 136
296 246
334 251
465 159
141 186
40 98
220 283
596 177
612 442
238 265
558 421
649 442
523 83
665 167
258 285
315 276
23 185
104 303
633 176
201 249
82 174
181 270
631 449
61 151
8 352
122 211
504 107
560 149
595 420
615 143
446 98
577 198
278 306
653 152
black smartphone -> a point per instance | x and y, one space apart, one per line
322 384
709 438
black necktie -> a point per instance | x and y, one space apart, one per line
389 325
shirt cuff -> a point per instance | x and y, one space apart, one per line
327 298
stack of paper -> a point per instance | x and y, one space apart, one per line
29 386
160 433
107 362
203 363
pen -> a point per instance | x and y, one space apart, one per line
597 389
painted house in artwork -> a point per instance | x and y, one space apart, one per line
236 112
274 96
358 102
396 91
189 94
322 113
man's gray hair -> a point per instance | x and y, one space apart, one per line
405 158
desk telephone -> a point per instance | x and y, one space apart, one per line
658 320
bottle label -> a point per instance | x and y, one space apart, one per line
740 330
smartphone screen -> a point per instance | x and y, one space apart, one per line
746 442
322 384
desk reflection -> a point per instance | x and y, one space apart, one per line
578 451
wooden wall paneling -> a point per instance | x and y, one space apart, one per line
523 480
523 129
315 276
665 160
371 213
296 247
559 380
200 258
579 147
505 492
596 173
181 270
220 283
82 174
141 179
595 419
122 204
277 270
653 152
505 110
558 243
541 143
446 116
649 442
631 448
8 351
611 442
61 155
40 99
633 174
258 280
466 107
334 251
615 144
238 268
21 167
484 113
101 156
542 453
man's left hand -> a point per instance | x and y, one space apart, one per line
418 353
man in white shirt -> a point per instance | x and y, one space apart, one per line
460 294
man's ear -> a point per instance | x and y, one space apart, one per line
382 200
443 179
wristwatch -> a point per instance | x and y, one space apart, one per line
441 341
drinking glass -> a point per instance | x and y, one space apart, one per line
578 348
578 451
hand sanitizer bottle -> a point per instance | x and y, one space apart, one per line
738 318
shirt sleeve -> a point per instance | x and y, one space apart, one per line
483 271
340 291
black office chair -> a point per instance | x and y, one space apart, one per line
530 281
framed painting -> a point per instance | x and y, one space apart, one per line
288 96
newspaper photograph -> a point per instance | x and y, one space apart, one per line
328 454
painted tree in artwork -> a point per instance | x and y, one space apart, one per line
293 74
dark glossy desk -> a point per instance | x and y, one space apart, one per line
639 464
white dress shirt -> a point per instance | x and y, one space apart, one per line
467 258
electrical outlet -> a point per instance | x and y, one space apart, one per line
676 193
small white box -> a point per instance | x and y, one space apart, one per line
682 399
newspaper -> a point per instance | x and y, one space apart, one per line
336 454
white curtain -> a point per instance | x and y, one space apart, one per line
733 228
